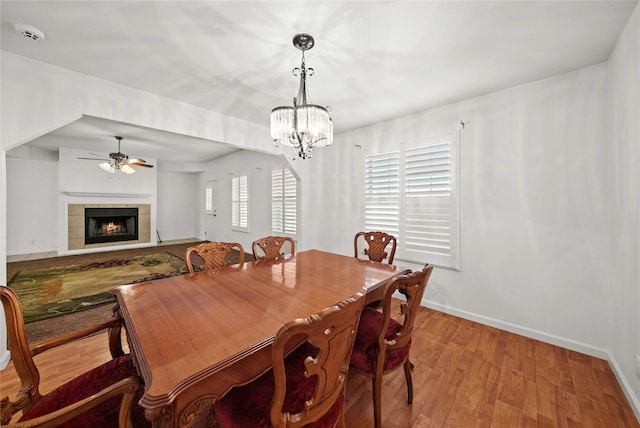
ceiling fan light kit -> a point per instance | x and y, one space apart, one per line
106 166
119 162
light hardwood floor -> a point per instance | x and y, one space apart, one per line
466 375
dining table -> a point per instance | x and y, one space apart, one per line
194 337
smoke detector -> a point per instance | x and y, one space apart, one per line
29 32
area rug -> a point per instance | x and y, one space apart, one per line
54 291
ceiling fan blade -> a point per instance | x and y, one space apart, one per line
98 159
146 165
134 160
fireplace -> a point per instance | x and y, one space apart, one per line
110 225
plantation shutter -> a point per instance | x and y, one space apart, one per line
411 194
382 193
208 198
284 216
277 201
239 203
428 205
290 203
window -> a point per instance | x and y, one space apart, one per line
411 193
283 202
240 204
382 193
208 198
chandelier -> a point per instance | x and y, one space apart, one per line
303 126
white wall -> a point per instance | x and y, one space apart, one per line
178 205
32 189
623 200
258 167
82 176
534 232
32 202
38 98
550 217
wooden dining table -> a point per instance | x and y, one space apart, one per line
193 337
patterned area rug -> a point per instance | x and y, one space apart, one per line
54 291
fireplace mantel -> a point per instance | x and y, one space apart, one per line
109 195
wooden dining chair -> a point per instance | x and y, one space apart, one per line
382 343
270 247
305 387
374 245
214 255
105 396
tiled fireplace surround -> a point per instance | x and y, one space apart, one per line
75 219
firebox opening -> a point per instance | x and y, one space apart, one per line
110 225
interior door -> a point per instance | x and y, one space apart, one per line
210 231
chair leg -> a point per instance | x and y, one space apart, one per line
407 375
377 392
342 423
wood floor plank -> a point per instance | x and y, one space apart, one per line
466 375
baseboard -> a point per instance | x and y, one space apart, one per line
523 331
573 345
106 249
626 387
31 251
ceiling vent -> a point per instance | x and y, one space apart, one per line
29 32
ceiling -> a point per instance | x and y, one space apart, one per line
373 60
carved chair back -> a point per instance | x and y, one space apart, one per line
375 245
270 247
307 385
332 332
215 255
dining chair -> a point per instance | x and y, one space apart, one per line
105 396
375 246
382 343
306 387
270 247
214 255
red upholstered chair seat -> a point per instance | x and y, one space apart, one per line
103 415
249 405
363 356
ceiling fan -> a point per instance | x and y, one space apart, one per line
119 161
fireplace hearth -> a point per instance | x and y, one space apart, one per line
110 225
